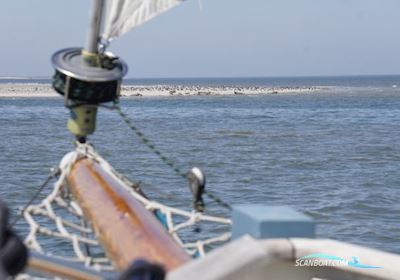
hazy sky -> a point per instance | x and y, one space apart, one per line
227 38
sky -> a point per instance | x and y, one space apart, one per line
216 38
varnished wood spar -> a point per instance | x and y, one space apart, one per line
124 227
52 267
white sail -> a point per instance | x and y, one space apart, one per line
123 15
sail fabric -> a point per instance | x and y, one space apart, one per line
123 15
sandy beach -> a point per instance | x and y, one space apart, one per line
45 90
26 90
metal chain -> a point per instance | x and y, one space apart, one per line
53 173
163 158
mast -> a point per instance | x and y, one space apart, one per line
94 28
90 52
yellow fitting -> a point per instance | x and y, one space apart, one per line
91 59
82 121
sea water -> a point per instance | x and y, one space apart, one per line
334 154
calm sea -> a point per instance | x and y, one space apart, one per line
334 155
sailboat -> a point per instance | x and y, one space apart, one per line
110 224
101 206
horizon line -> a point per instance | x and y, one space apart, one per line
220 77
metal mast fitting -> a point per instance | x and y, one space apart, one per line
87 78
91 49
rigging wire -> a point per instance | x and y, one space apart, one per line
53 173
161 155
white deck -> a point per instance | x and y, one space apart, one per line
275 259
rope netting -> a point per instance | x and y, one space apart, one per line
57 226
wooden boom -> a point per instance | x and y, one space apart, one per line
124 227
